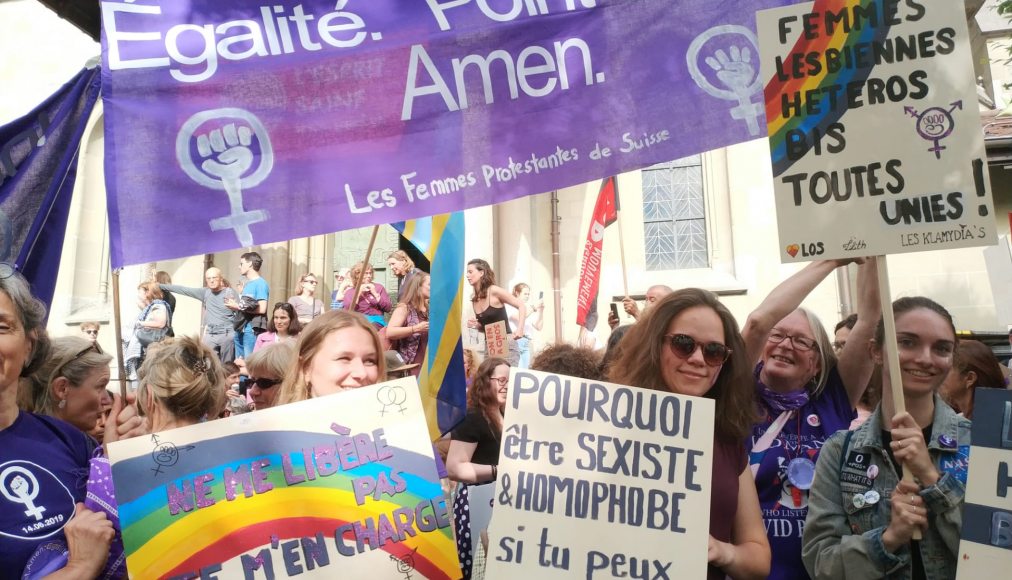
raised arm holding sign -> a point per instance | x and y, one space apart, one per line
867 125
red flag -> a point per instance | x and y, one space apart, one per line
605 214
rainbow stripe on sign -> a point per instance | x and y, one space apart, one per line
816 86
221 512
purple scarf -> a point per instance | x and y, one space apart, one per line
777 401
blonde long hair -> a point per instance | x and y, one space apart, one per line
295 387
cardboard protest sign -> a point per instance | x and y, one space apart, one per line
496 339
985 550
242 123
339 485
874 130
599 481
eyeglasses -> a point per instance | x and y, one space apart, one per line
503 381
799 342
683 346
262 384
91 332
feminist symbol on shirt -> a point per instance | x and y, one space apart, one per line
20 486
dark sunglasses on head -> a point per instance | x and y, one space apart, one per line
683 346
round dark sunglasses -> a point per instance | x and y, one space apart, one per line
683 345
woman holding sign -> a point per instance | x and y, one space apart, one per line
338 350
488 302
805 395
688 343
474 447
862 517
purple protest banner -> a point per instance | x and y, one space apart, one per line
231 123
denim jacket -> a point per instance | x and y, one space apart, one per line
843 536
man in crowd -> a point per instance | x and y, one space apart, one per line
654 294
218 318
255 293
90 330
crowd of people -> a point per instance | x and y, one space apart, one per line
800 486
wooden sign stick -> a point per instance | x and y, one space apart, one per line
118 332
892 356
365 266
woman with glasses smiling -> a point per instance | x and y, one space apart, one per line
267 368
474 446
307 305
806 393
689 344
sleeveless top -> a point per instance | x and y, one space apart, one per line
491 315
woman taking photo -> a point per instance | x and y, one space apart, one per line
488 303
974 365
373 300
338 351
409 323
688 343
283 326
307 305
42 449
71 385
861 516
474 447
805 395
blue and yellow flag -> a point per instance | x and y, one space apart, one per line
442 381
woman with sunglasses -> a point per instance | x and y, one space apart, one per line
71 384
267 368
474 446
284 326
688 343
307 305
806 393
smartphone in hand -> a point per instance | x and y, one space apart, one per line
614 309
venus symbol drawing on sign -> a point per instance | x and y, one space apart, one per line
730 73
227 149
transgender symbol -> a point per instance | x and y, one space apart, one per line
20 486
228 143
935 124
734 69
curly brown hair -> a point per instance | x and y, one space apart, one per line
569 360
482 397
638 360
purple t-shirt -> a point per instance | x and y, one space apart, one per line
43 474
784 507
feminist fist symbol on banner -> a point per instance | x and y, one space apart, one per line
228 143
733 68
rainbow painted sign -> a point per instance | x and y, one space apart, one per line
874 130
344 485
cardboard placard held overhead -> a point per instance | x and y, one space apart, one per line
600 481
874 129
985 550
496 339
343 485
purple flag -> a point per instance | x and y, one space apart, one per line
231 124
